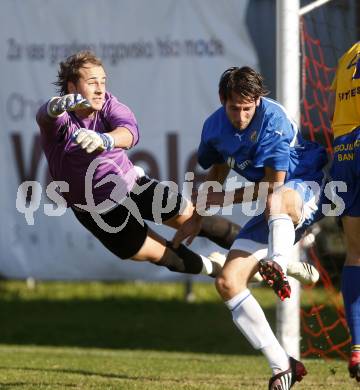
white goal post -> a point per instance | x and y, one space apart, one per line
288 13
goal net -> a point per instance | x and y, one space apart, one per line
326 33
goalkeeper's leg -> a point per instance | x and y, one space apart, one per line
219 230
161 252
138 242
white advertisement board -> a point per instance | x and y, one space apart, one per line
163 59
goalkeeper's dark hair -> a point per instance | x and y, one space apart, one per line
69 69
245 82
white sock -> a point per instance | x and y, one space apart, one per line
281 239
277 357
207 268
250 319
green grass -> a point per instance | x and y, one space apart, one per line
79 368
134 336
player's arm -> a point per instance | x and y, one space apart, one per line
91 140
191 228
208 158
273 153
268 184
260 190
218 172
58 105
123 137
50 116
124 133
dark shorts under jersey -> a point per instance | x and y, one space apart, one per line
154 202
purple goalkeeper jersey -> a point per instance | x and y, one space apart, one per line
109 174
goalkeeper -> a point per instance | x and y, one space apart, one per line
87 130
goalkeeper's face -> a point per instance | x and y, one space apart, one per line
240 111
91 85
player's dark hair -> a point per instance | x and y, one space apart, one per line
69 69
245 82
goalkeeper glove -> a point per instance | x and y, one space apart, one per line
92 140
71 102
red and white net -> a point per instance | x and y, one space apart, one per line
324 330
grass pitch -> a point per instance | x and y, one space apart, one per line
134 336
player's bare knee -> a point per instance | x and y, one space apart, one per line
285 201
227 285
222 285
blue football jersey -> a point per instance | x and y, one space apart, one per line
271 140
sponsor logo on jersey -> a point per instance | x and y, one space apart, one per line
244 164
239 136
347 95
231 163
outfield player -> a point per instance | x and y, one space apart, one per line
254 136
346 168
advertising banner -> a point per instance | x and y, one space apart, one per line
163 59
